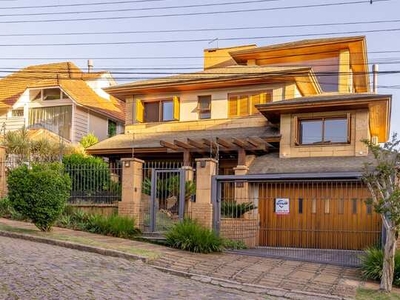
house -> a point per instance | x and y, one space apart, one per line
287 120
60 98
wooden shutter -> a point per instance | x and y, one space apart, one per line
255 99
244 105
139 111
233 106
176 103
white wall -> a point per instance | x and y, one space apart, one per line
98 125
81 123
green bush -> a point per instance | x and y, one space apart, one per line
88 140
114 225
372 264
233 244
5 208
190 236
39 193
231 209
88 174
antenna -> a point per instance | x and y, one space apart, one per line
214 40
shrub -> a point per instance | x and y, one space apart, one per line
114 225
190 236
5 208
233 244
39 193
372 263
88 140
88 174
231 209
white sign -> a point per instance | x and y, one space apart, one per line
282 206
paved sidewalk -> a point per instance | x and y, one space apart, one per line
275 277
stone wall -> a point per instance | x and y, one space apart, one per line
98 209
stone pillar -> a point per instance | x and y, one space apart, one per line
202 209
131 203
241 187
3 178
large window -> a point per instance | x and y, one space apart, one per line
157 111
56 119
326 130
244 104
204 107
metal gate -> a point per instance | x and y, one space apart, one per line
284 215
163 195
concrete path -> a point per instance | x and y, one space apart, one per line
275 277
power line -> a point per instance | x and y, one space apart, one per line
76 4
190 13
220 29
136 9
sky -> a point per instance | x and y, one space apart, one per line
141 39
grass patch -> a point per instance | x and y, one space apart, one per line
367 294
17 230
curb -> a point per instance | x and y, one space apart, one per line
245 287
252 288
75 246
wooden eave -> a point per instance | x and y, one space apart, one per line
304 78
379 111
303 52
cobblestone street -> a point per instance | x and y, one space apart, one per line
30 270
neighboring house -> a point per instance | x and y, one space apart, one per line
60 98
299 108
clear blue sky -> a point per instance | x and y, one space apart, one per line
21 26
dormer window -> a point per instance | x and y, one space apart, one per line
204 107
50 94
324 130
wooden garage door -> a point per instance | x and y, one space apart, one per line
325 215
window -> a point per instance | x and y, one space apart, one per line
56 119
17 113
49 94
112 128
157 111
329 130
244 104
204 107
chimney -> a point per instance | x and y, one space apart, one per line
375 70
89 65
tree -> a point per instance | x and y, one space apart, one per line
382 181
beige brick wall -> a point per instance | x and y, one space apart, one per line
359 129
246 230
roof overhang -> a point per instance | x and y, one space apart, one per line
304 78
379 107
311 50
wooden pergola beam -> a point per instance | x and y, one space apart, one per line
226 144
196 144
241 143
182 145
169 145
